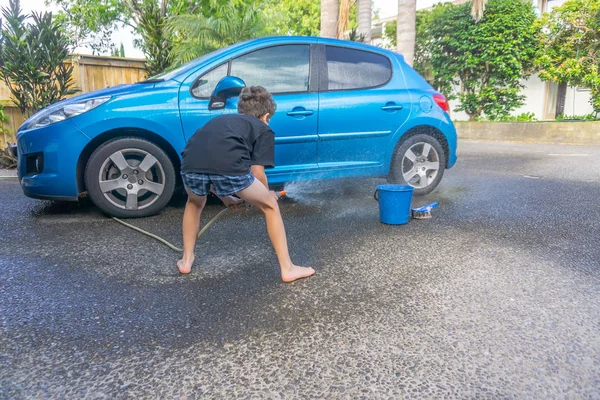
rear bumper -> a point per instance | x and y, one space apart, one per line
47 161
449 131
452 158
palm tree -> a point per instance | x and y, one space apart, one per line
196 35
406 29
364 19
406 25
335 18
329 18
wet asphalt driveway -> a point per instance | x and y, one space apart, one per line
497 296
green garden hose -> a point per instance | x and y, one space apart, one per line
173 247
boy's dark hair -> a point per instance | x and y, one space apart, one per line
256 101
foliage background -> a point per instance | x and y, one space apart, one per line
481 64
571 46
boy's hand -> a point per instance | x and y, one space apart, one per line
274 194
232 202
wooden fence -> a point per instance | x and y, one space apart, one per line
89 73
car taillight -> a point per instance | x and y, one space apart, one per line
442 102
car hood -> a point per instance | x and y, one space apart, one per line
113 91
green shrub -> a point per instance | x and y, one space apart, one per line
3 131
482 63
523 117
570 46
588 117
32 59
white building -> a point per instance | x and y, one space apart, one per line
541 98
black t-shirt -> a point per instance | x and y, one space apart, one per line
228 145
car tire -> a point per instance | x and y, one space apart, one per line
130 178
419 161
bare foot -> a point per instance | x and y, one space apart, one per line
296 272
185 267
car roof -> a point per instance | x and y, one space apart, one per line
320 40
184 70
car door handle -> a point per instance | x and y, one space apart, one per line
391 107
300 113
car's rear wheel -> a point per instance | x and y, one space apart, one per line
130 178
419 161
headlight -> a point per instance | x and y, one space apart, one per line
52 115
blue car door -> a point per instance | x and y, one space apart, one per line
284 70
363 102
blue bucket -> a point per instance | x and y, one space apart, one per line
394 203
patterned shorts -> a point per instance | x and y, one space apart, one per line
224 185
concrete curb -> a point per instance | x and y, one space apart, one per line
580 133
8 173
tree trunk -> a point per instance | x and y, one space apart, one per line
364 15
477 9
407 15
329 18
561 98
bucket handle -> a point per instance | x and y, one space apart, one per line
376 195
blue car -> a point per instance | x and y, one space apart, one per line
344 109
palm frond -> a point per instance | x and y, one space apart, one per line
195 35
343 18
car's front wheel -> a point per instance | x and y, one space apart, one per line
419 161
130 178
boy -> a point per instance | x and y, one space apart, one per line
230 153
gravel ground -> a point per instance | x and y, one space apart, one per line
497 296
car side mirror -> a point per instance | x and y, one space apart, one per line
230 86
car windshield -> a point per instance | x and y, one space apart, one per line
173 73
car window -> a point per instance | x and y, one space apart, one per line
355 69
204 86
280 69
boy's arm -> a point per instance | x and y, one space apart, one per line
263 155
259 173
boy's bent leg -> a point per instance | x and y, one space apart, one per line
191 225
259 196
